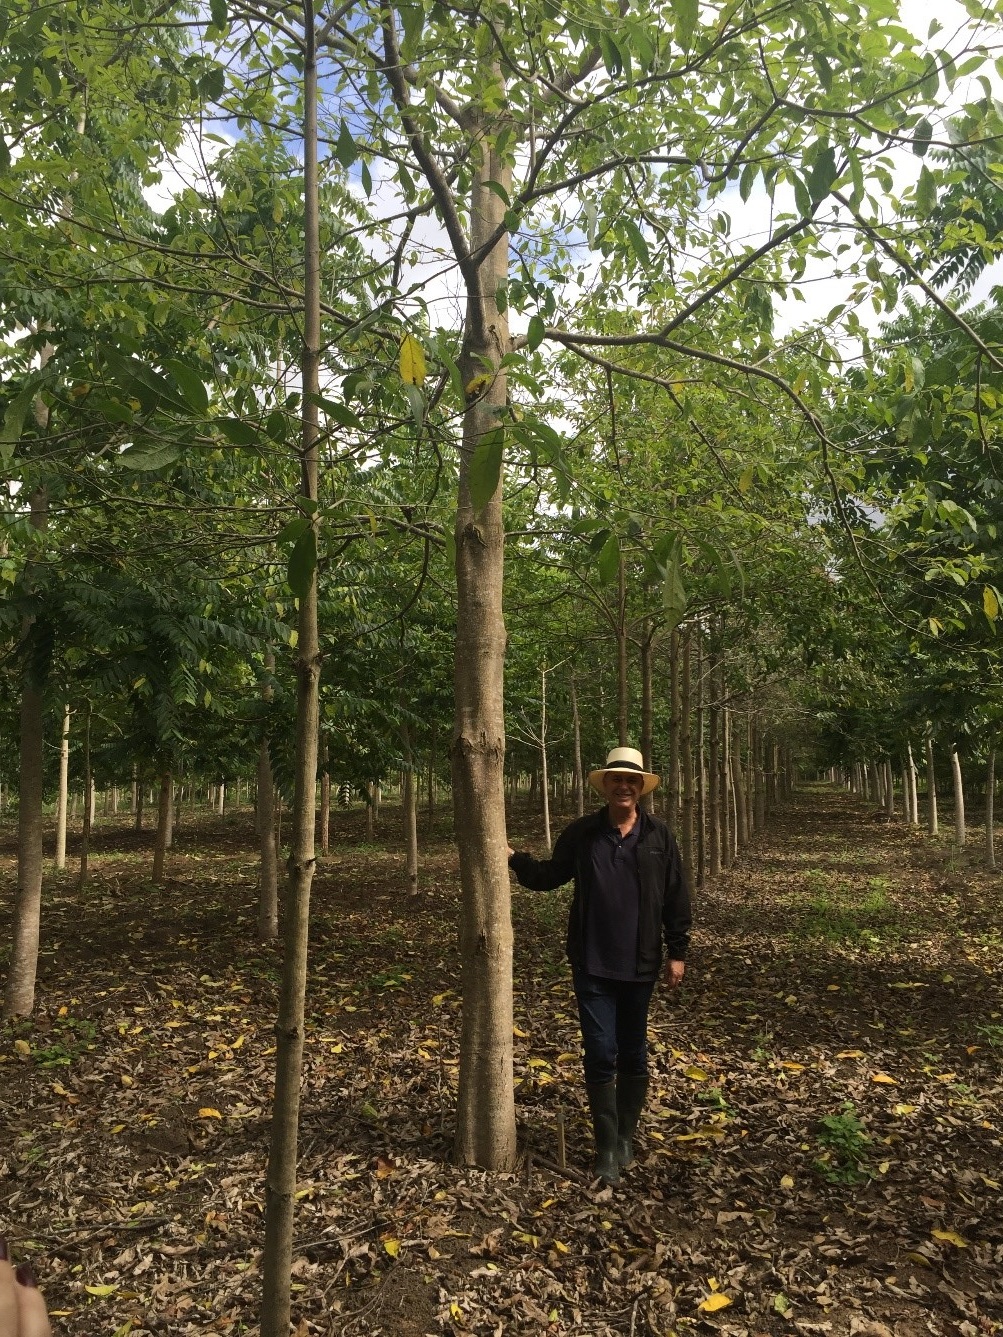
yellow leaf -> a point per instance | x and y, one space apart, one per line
883 1079
524 1238
566 1058
339 1048
904 1109
439 998
793 1067
523 1035
455 1311
561 1248
60 1089
714 1302
851 1053
707 1132
990 603
100 1290
238 1042
696 1074
62 1011
207 1112
950 1237
22 1046
832 988
787 1182
412 361
119 1128
538 1063
908 984
476 385
125 1079
920 1259
989 1183
393 1247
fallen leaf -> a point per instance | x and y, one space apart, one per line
100 1290
207 1112
950 1237
883 1079
696 1074
714 1302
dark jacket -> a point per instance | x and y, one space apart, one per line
665 897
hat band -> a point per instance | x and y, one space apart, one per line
625 766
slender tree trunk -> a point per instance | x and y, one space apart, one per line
19 994
959 799
913 788
759 777
726 787
675 726
280 1183
686 759
647 707
714 767
701 769
990 806
264 820
931 785
622 705
409 812
433 750
741 800
370 810
325 797
485 1126
576 728
63 795
889 788
163 825
85 839
544 776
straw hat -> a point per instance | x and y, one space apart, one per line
625 761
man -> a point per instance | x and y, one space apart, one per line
630 890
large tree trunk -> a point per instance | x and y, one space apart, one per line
280 1182
959 799
63 794
485 1126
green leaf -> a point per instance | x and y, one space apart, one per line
484 473
217 13
608 565
294 530
637 243
687 13
412 17
190 384
990 603
302 562
345 150
149 459
535 333
674 592
823 173
13 420
921 137
339 413
417 401
926 192
239 432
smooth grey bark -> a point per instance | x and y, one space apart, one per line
264 823
687 831
544 774
699 761
325 798
675 727
576 728
714 768
727 789
647 705
622 677
63 792
85 836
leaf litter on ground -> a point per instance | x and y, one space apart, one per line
820 1155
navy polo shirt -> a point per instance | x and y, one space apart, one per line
611 921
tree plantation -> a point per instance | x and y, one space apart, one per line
401 407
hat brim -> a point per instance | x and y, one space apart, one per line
650 781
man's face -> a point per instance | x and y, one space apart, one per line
622 789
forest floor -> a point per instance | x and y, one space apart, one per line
821 1153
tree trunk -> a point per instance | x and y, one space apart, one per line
433 748
913 789
19 994
85 838
325 798
758 779
701 770
280 1182
544 776
264 820
959 799
714 768
63 795
647 708
622 706
889 788
990 805
931 785
686 759
485 1127
409 810
726 788
163 822
576 728
675 727
741 800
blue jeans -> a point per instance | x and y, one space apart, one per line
614 1020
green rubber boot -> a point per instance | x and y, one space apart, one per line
602 1104
630 1096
